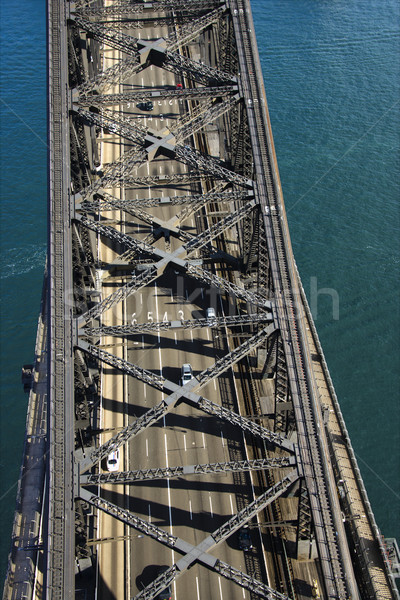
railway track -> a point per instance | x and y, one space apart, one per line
302 385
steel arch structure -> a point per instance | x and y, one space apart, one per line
184 197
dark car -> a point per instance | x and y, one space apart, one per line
245 539
145 105
167 593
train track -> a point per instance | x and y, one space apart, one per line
303 390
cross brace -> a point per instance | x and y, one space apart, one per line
171 472
118 73
105 201
110 35
199 553
200 94
139 328
166 257
192 29
185 392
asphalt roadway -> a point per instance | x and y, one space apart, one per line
193 507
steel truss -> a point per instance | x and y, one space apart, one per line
104 201
233 177
195 271
121 8
185 392
171 472
199 94
199 553
139 328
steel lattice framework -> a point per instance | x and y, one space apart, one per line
151 185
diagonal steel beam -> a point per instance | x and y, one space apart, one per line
109 35
204 115
115 74
171 472
192 29
116 123
195 271
204 74
186 392
207 164
134 285
199 553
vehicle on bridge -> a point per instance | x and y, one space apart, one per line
145 106
113 461
186 373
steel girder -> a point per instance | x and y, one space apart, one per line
171 472
203 116
117 73
109 35
203 74
122 126
199 94
135 284
192 29
199 553
210 166
123 8
139 328
105 201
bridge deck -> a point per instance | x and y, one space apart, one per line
158 212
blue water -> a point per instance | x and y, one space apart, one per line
331 71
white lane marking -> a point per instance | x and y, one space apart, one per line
184 441
215 385
159 346
172 296
244 593
176 340
144 390
141 298
211 506
142 82
168 487
142 342
148 168
191 334
190 510
197 587
159 356
222 439
220 588
147 447
204 439
160 169
208 334
149 513
231 501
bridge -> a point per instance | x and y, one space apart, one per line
183 438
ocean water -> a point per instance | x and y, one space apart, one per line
331 71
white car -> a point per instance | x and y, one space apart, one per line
113 461
211 314
186 373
